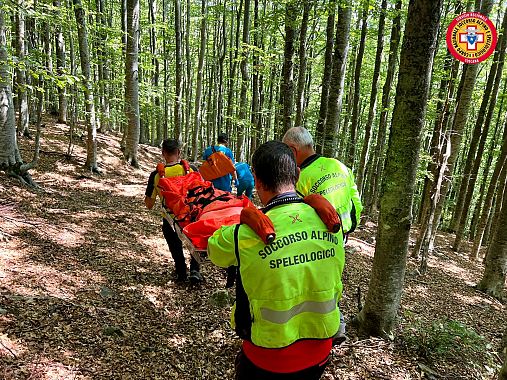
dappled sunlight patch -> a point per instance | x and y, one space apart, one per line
451 269
130 190
35 280
153 294
177 341
94 185
48 369
10 347
68 235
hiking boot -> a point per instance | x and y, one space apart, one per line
340 336
195 277
180 277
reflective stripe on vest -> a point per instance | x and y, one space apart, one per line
283 316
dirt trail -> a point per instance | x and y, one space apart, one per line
86 289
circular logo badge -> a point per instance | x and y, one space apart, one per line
471 37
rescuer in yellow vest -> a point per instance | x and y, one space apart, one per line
329 178
325 176
287 291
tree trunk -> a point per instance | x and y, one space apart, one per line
465 97
300 95
9 152
256 88
437 169
188 67
320 135
334 106
473 161
179 69
351 153
23 118
378 316
488 203
493 279
287 85
132 83
423 244
243 121
60 68
198 91
104 69
84 54
233 58
221 60
373 98
491 152
503 371
445 93
376 173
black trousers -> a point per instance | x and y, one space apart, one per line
176 249
246 370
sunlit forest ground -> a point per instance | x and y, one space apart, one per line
86 289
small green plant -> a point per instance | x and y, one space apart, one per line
450 341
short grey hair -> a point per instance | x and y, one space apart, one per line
298 136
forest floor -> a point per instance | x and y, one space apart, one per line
86 288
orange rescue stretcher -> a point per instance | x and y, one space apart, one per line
195 209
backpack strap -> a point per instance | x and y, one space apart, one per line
186 166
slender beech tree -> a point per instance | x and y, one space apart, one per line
132 83
341 47
233 63
221 60
482 126
326 77
200 75
188 68
256 84
84 54
488 203
467 86
60 66
439 153
373 97
21 85
495 269
300 95
103 66
370 200
243 121
378 316
503 371
179 69
10 159
287 84
354 124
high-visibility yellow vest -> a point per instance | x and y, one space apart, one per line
335 182
287 290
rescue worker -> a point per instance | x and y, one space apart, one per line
329 178
245 179
224 182
173 168
287 292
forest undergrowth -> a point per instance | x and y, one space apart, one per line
86 288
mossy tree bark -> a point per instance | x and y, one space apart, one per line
378 317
